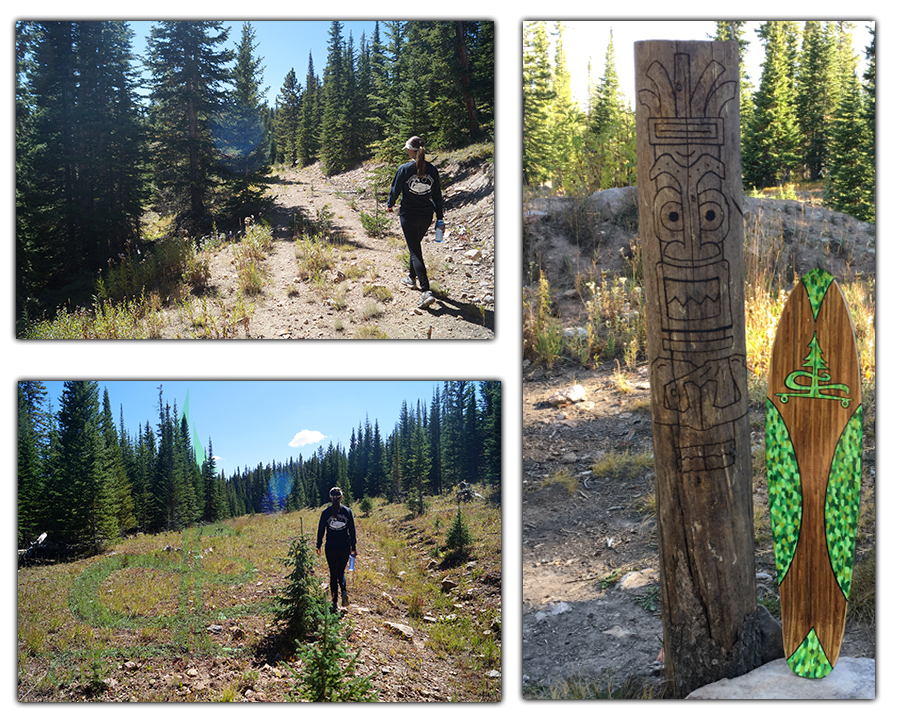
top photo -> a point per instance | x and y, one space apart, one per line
254 180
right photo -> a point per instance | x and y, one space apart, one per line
699 262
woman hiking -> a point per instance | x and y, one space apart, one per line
340 544
418 183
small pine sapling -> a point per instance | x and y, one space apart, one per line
328 667
459 538
300 604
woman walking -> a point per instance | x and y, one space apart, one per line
419 185
340 544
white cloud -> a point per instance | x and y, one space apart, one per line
305 438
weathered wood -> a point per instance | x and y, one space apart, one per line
689 191
813 457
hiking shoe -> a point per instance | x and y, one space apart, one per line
427 300
409 282
345 600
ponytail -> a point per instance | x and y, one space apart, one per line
420 162
418 145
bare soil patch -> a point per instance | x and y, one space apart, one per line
290 307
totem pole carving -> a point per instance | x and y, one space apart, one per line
689 190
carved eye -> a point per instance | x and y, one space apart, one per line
671 216
712 210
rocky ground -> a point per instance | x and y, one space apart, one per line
590 576
247 659
461 268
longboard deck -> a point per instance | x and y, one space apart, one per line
813 461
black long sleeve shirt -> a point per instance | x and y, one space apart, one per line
340 527
420 196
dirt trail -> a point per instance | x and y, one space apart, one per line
243 659
343 306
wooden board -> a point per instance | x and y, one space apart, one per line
813 461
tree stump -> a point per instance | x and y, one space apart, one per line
689 193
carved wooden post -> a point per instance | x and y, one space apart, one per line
689 190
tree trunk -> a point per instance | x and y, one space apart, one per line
464 79
689 187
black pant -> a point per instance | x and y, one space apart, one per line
337 558
414 230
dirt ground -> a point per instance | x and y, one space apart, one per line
461 268
589 557
395 649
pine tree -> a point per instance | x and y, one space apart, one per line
240 133
300 605
537 96
334 133
325 676
491 431
310 116
31 484
734 30
566 119
459 538
850 184
816 94
773 148
81 508
79 182
435 467
610 140
188 73
120 492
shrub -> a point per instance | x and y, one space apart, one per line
300 604
459 538
325 677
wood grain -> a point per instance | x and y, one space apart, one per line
810 595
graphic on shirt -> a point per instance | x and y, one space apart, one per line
420 186
336 524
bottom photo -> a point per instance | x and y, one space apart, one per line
259 541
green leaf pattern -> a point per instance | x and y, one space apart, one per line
809 659
842 501
785 494
816 282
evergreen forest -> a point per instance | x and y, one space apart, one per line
87 481
811 118
103 136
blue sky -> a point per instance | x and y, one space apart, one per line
282 44
253 422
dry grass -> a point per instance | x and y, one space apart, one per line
152 600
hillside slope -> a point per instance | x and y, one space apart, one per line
188 616
359 292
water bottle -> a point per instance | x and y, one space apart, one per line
439 231
352 563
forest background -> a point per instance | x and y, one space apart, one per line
90 480
809 117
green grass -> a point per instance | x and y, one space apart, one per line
153 599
